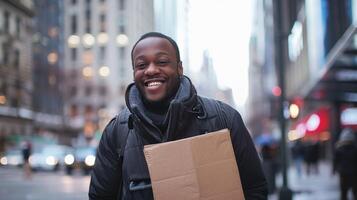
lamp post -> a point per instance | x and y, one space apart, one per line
280 45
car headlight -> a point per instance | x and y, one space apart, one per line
51 160
90 160
3 160
69 159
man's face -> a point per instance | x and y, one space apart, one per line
156 69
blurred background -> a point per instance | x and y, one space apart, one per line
289 67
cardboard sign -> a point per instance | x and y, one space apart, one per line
197 168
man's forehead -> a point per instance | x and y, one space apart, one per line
162 45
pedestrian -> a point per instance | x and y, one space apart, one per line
269 153
26 152
311 157
345 162
297 152
162 105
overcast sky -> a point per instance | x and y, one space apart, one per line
223 27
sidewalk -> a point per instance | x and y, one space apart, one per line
322 186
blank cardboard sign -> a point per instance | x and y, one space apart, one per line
197 168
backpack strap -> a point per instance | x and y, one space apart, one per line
215 107
122 130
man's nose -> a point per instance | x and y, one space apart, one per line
152 69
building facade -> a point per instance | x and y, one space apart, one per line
16 86
48 50
171 18
99 35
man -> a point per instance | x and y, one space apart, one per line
162 105
345 163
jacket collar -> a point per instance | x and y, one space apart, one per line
181 105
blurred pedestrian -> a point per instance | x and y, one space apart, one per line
268 154
311 157
162 105
297 152
26 152
345 162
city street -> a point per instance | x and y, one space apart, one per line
42 186
321 186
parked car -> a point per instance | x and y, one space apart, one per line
12 157
83 158
49 157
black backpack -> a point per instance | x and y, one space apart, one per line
124 126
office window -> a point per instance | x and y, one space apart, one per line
88 90
121 4
73 24
5 50
6 22
73 91
102 90
17 59
102 23
18 26
121 28
74 54
102 53
122 53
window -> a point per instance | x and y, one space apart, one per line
7 22
74 54
121 4
122 53
73 110
18 26
73 91
102 53
17 59
88 27
73 24
102 23
88 90
5 51
102 90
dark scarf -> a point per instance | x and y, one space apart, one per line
159 115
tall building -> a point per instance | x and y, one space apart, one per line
210 88
171 18
48 47
263 90
99 35
16 87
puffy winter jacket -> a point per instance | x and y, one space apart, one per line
189 115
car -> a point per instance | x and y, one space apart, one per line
49 157
12 157
83 159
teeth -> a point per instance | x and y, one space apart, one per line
152 84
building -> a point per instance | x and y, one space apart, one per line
210 88
171 18
263 89
99 36
318 61
48 50
16 87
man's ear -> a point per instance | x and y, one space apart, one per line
180 68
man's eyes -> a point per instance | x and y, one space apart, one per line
163 62
140 65
158 63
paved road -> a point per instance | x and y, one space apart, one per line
42 186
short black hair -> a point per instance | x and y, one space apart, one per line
160 35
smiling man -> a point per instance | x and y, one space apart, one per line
162 105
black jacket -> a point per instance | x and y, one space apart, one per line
188 116
345 159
